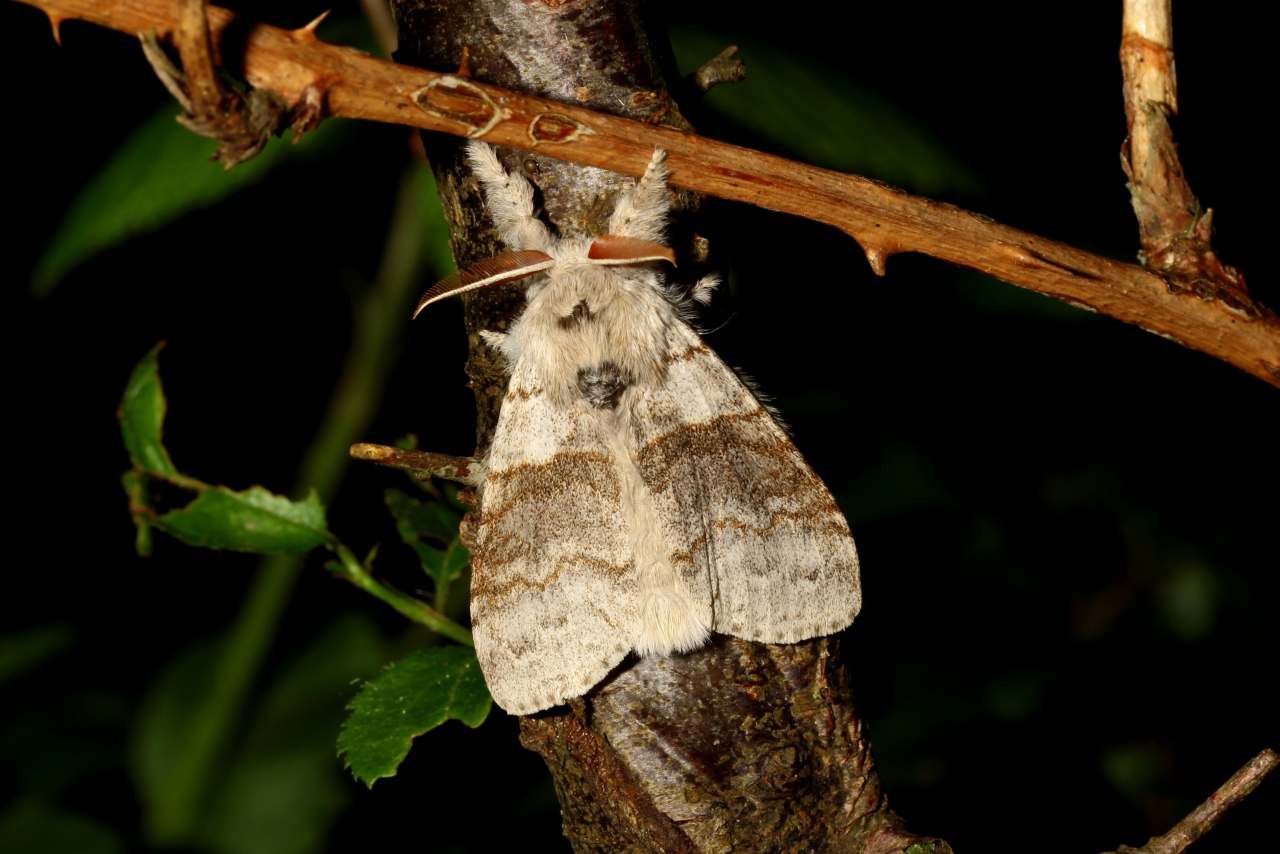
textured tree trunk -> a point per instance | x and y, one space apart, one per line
739 746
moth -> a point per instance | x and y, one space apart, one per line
637 495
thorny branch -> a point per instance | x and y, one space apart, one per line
1205 816
1169 298
1174 230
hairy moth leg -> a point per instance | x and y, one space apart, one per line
509 199
642 211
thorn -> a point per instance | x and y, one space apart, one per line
464 67
309 31
877 246
876 258
55 21
308 111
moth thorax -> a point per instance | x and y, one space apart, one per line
580 316
602 385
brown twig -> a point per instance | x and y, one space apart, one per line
884 220
208 95
1175 231
722 69
1209 813
420 464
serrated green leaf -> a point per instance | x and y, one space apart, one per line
823 117
416 519
160 172
432 520
410 697
254 520
141 415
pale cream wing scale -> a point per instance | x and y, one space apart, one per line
754 534
553 596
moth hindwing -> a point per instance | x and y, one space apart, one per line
637 495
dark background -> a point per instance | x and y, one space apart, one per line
1067 525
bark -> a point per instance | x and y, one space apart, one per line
739 746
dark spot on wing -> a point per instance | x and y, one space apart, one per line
602 385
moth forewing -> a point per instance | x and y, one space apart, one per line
638 496
552 610
757 530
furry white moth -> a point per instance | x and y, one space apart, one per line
636 495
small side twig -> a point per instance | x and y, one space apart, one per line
722 69
1209 813
1175 231
351 568
420 464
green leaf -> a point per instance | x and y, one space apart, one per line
820 116
254 520
416 519
141 415
432 520
27 650
160 172
412 696
28 826
137 490
455 561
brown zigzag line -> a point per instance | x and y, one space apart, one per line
558 468
484 585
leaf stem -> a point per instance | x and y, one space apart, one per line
349 567
380 319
